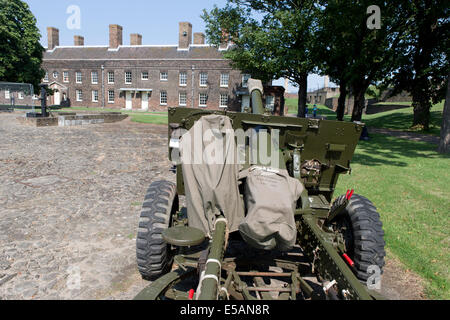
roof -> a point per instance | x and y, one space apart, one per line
143 52
324 90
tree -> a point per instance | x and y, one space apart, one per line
332 50
444 144
422 56
272 39
372 56
354 55
20 50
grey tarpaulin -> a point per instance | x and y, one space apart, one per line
271 196
211 186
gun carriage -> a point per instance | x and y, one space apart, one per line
252 230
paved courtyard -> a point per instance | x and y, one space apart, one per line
69 205
70 200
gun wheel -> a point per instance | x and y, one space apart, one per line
362 229
154 256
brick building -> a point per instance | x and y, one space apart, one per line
319 96
17 94
143 77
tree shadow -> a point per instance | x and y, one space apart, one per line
386 150
403 121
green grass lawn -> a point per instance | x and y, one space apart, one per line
409 184
150 118
157 117
397 119
402 119
323 110
292 105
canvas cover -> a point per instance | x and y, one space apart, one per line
270 196
211 186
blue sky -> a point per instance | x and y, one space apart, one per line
157 21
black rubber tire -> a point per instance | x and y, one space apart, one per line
154 256
365 237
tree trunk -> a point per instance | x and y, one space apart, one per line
444 144
341 101
359 92
302 93
421 105
423 61
421 115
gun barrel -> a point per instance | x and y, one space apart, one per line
256 91
210 278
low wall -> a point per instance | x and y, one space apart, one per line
377 108
71 119
371 106
291 95
38 122
401 97
81 120
332 104
6 108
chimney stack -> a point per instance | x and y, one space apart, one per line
78 41
286 84
326 81
185 37
199 38
135 39
53 37
115 36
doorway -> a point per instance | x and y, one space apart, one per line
144 97
128 101
57 98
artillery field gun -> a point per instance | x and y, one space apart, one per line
258 225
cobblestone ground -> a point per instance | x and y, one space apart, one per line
69 206
70 200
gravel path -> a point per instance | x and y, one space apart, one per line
70 200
